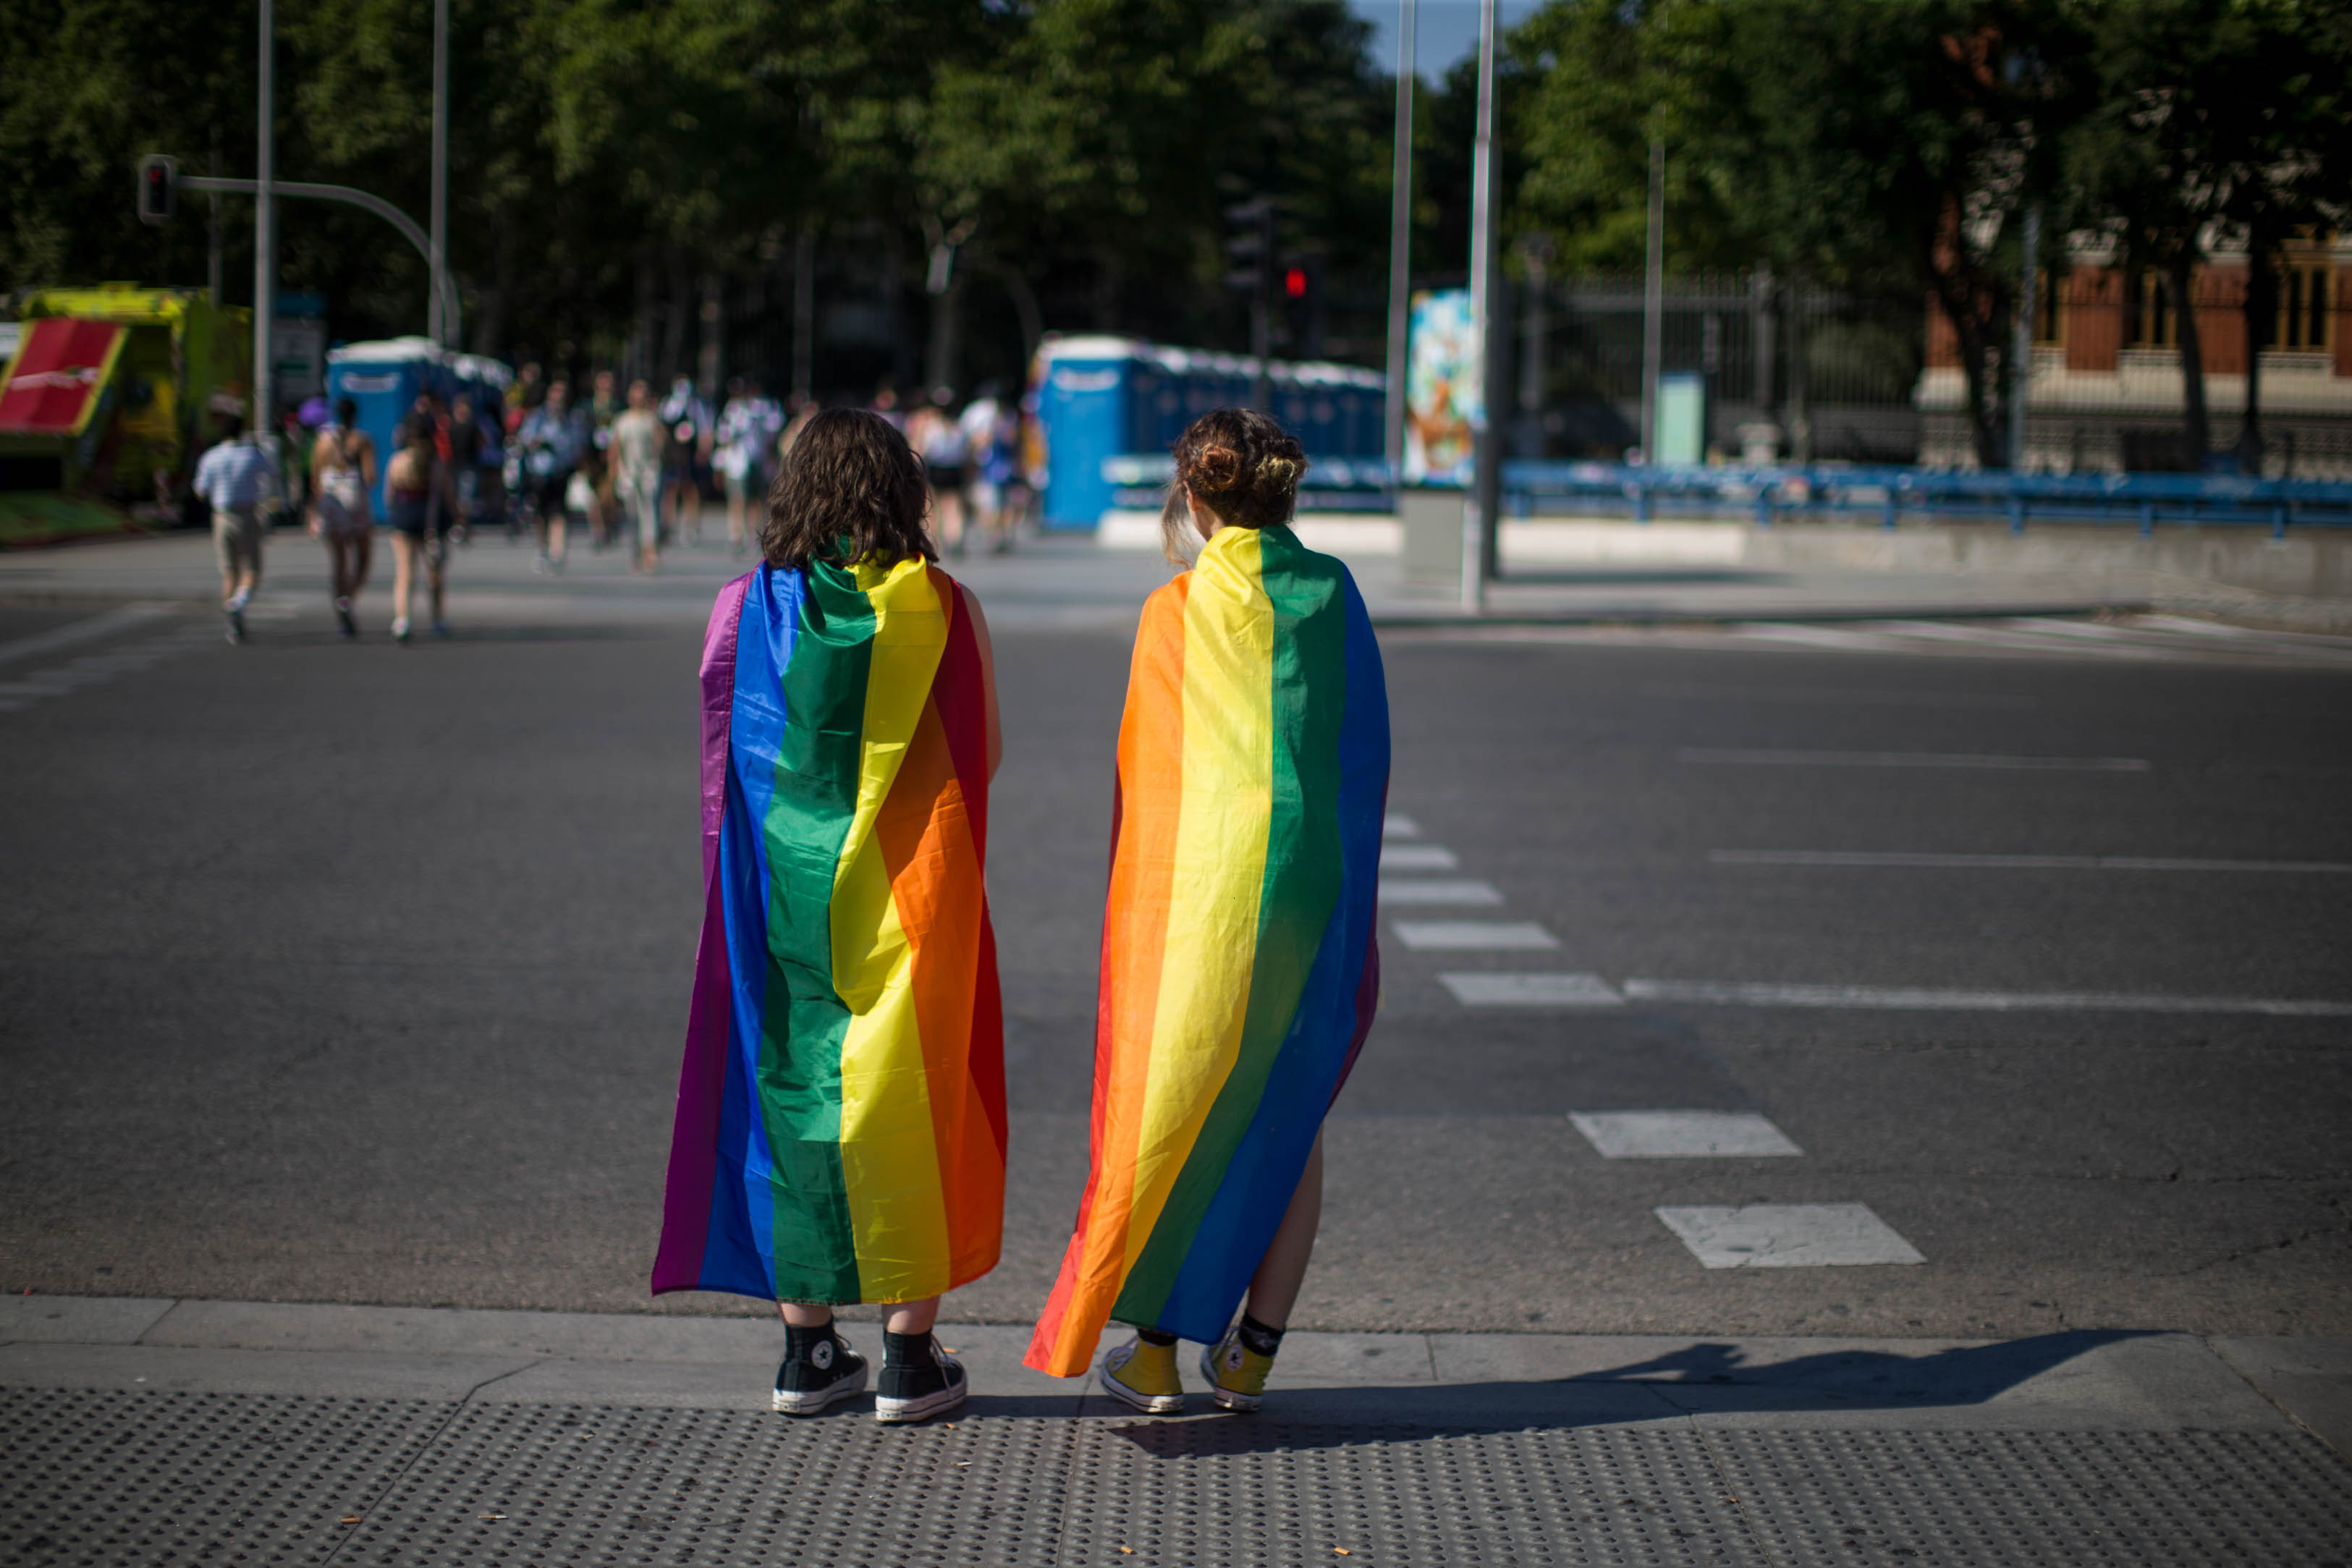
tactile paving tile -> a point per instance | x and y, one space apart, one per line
2194 1498
129 1477
1243 1490
566 1485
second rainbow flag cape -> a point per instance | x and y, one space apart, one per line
840 1131
1239 969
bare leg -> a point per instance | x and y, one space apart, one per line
801 1316
913 1317
362 546
404 573
434 578
1274 1290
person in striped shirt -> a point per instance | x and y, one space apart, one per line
238 479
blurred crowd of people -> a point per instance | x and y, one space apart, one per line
631 468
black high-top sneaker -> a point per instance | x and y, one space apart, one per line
919 1379
819 1369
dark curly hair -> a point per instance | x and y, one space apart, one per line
1244 467
850 489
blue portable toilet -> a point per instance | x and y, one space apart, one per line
385 379
1083 403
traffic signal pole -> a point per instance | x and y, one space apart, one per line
441 329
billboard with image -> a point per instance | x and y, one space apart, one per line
1445 392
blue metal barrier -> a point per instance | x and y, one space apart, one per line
1775 492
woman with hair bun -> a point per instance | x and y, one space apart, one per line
1239 964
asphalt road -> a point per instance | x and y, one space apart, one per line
357 973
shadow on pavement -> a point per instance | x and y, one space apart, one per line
1709 1379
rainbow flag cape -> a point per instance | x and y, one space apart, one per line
840 1132
1239 962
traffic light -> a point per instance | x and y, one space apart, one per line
1294 283
158 189
1251 245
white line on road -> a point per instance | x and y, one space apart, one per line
74 632
1465 894
1788 1236
1417 857
1488 991
1912 999
1397 825
2017 862
1473 935
1682 1134
1837 697
1732 756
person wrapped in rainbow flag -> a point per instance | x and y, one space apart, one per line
840 1134
1240 965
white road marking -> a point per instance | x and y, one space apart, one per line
1397 825
1908 999
1417 857
1473 935
2170 633
2017 862
1682 1134
1465 894
1788 1236
77 631
93 668
1488 991
1838 696
1733 755
1831 637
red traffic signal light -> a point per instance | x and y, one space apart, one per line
1294 283
158 189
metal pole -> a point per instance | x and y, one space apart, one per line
1400 245
1479 519
1262 312
1653 302
213 269
2021 352
265 238
376 204
438 327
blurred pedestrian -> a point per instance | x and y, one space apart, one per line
840 1114
885 406
592 492
937 437
1239 965
342 506
686 463
422 501
465 460
748 428
992 435
551 438
238 480
636 459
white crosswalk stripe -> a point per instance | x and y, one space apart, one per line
1683 1135
1417 857
92 669
1466 894
1788 1236
1473 935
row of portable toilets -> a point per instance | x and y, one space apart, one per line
386 378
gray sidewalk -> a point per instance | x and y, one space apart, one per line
153 1430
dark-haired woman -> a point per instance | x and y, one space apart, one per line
840 1131
421 503
1239 965
343 466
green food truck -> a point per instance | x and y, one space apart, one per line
108 402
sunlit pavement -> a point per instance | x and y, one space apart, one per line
1982 978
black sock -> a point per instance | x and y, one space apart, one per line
907 1349
1258 1339
1155 1338
799 1342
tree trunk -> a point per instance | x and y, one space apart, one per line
672 339
2262 314
2197 429
710 364
1982 364
639 359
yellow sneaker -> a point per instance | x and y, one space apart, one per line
1236 1373
1144 1375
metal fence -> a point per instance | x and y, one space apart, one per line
1811 373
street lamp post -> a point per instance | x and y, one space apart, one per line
1653 302
1401 246
265 240
1479 524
